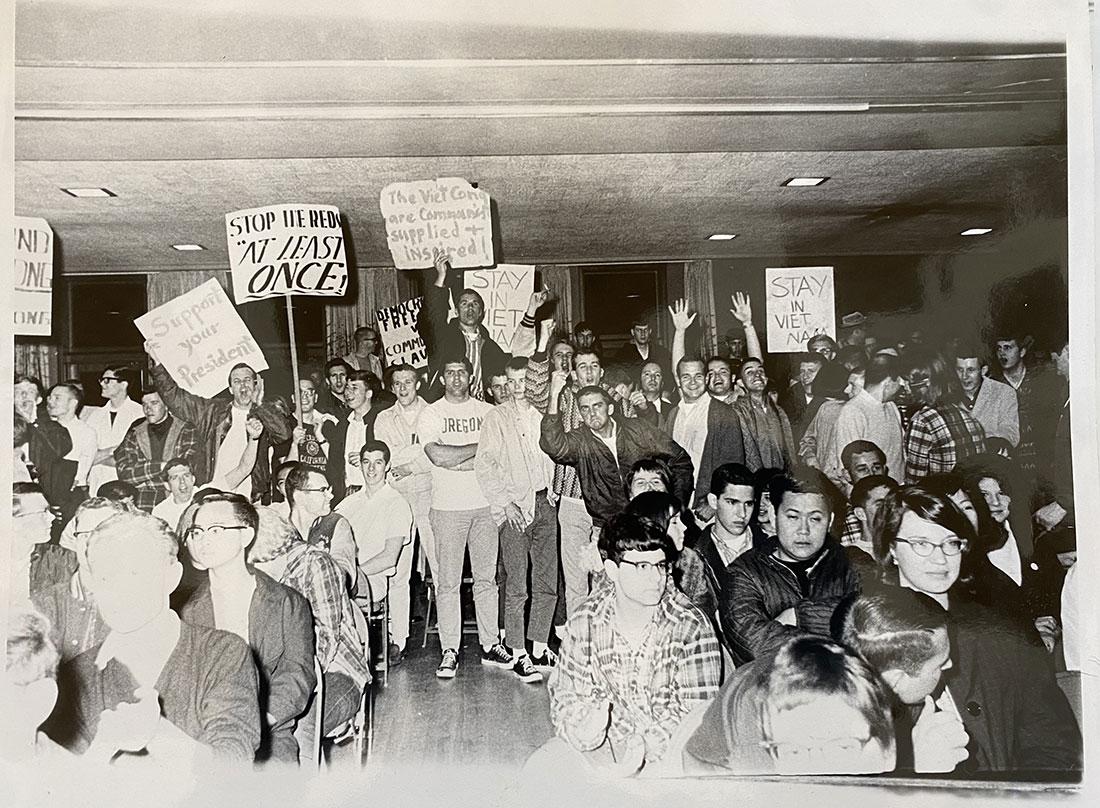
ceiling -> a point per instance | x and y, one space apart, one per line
629 136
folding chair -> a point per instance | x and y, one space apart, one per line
361 725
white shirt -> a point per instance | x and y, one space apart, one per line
454 425
170 511
376 518
83 452
397 427
231 609
611 442
108 434
232 449
1071 623
353 442
1007 558
690 429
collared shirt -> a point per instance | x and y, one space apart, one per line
356 437
652 686
939 437
610 442
867 418
397 427
85 445
1007 558
110 425
729 551
312 572
376 518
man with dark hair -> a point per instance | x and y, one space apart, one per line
177 690
272 618
604 449
331 398
111 421
769 441
515 474
223 425
640 348
652 404
346 437
1040 395
637 657
992 402
732 497
465 335
142 456
63 404
310 498
942 431
365 356
797 399
382 522
824 345
792 584
178 479
871 415
47 442
864 500
720 380
709 430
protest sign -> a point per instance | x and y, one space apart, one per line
199 337
799 305
401 342
506 290
32 299
286 249
447 214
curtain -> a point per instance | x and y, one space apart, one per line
699 290
163 286
38 357
376 289
560 279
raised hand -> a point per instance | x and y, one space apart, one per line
254 427
558 380
151 350
442 263
536 301
742 308
681 319
258 392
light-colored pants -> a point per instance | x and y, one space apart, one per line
398 595
420 502
576 533
454 532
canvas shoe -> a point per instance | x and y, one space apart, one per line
498 656
526 671
448 666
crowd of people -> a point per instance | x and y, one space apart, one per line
864 568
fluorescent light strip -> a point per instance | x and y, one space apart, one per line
804 182
722 237
188 247
976 231
88 193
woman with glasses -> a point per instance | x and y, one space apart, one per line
1002 684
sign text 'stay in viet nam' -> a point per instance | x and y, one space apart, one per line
800 304
32 298
199 337
506 290
286 249
401 341
447 214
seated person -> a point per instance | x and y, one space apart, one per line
119 491
636 659
810 707
310 496
733 498
36 563
281 552
183 693
865 498
179 478
793 584
28 691
273 619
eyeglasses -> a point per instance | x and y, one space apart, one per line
792 751
105 379
646 566
36 513
923 548
326 489
213 531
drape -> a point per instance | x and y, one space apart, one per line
40 358
699 290
560 279
374 288
163 286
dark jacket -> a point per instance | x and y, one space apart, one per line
47 445
337 436
725 444
280 633
135 463
716 568
758 587
628 357
211 419
602 479
444 340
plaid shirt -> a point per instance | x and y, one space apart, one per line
312 572
652 687
938 438
135 466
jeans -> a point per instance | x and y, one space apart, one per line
341 702
538 542
454 532
576 533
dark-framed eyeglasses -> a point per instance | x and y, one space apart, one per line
647 566
924 548
794 751
213 531
105 379
322 489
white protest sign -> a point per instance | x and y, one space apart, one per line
401 341
32 299
506 290
799 305
447 214
199 337
286 249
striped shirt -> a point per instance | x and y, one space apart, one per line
939 437
652 686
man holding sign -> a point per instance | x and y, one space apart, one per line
223 424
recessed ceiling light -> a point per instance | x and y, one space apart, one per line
722 237
187 247
88 193
804 182
976 231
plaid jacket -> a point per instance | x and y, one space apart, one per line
135 463
651 688
939 437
